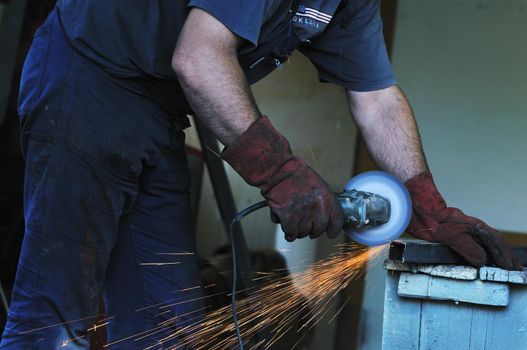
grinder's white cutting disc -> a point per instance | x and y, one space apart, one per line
389 187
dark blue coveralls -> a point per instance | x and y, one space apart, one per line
106 183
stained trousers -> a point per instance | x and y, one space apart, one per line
107 209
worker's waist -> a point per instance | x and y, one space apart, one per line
167 93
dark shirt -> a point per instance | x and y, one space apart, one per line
134 40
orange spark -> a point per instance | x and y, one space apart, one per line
273 307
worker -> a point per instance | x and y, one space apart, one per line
104 95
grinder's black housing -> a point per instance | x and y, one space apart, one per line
364 209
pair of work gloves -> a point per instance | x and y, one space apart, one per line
302 201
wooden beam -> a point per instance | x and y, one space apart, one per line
487 273
458 272
438 288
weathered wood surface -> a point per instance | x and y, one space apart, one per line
444 326
424 324
402 318
432 307
460 272
451 271
500 275
439 288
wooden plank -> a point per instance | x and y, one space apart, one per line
508 326
499 275
432 332
438 288
459 324
445 326
402 317
468 273
481 321
460 272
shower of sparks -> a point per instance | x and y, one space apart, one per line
315 165
184 253
160 263
280 303
275 308
99 324
64 323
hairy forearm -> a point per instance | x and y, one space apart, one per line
390 132
212 78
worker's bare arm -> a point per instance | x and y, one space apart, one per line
206 63
387 124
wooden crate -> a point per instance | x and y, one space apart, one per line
438 307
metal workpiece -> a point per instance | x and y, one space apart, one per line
418 251
364 209
423 252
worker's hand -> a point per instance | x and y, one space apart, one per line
294 192
471 238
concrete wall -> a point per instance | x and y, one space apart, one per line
462 65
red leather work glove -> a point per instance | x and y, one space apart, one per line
471 238
294 192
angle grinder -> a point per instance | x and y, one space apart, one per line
377 208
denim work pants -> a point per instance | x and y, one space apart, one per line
107 209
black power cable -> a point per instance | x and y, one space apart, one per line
235 221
